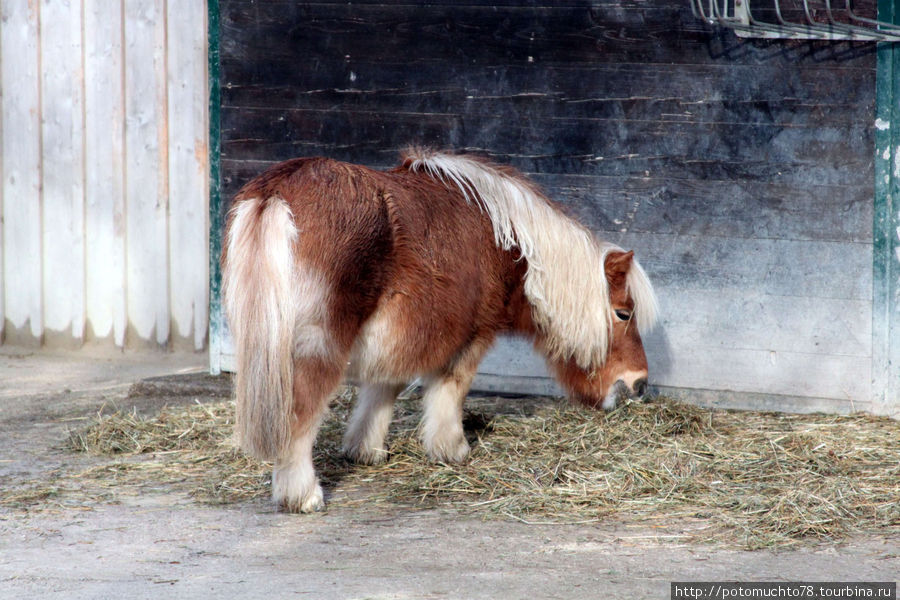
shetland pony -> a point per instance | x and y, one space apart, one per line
411 273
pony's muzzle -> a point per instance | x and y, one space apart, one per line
618 391
639 387
622 391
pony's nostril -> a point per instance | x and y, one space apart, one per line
640 387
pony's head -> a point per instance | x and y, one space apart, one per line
623 372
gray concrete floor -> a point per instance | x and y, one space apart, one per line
163 545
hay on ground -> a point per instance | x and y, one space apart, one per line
755 479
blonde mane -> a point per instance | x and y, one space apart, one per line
565 281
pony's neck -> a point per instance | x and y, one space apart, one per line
518 308
573 378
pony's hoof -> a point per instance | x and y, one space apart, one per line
449 451
366 456
312 502
315 502
296 489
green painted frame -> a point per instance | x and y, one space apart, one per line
886 226
216 317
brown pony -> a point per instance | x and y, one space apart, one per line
411 273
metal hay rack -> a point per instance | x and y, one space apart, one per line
795 19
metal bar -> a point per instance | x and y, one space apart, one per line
851 30
834 29
697 9
745 25
809 18
797 29
743 22
881 24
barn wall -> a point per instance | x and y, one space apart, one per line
740 171
104 190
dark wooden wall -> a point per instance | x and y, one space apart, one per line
740 171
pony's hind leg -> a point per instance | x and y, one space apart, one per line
295 487
368 425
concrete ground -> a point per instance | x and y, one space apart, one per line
164 545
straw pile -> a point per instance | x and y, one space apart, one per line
748 479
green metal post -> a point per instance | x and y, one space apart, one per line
886 227
216 318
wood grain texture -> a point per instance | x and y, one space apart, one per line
62 144
187 168
774 267
21 150
104 172
740 172
633 91
146 185
88 218
691 207
662 32
837 156
2 252
727 208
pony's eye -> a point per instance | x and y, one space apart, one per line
623 315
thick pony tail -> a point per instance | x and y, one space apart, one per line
259 290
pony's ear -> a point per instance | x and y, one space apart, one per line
618 264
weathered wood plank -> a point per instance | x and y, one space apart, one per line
775 267
722 369
664 33
822 156
708 93
2 277
146 144
21 153
751 320
737 208
63 226
766 402
105 172
749 323
515 385
686 207
771 372
62 142
187 156
866 8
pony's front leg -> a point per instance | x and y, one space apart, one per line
442 430
295 487
368 426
